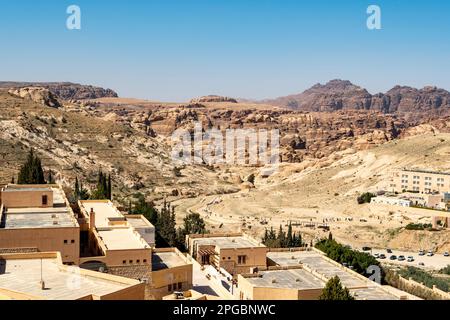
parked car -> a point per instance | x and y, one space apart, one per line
421 253
388 250
401 258
366 248
446 254
421 264
410 259
376 255
382 256
393 257
430 253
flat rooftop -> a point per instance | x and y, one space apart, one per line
122 239
293 279
20 189
25 218
138 222
165 260
228 242
372 293
104 210
61 283
318 263
426 171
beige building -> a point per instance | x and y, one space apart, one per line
235 253
39 217
171 272
111 242
302 274
43 276
420 181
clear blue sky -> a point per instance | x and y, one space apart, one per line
173 50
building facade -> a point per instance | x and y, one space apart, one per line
420 181
235 253
39 217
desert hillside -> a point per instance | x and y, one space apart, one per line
326 192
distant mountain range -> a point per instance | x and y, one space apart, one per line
65 90
344 95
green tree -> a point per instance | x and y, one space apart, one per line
103 189
50 177
31 171
145 208
194 224
335 291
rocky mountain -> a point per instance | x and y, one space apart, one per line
37 94
213 98
304 135
343 95
65 90
75 143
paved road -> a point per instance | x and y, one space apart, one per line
438 261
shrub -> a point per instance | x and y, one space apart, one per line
365 197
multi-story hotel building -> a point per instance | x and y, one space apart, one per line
420 181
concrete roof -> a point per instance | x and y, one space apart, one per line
139 222
12 189
317 262
298 279
372 293
122 239
164 260
103 211
61 283
22 218
228 242
58 216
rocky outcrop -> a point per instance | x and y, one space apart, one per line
213 98
37 94
65 90
303 135
343 95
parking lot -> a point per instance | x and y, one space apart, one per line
437 261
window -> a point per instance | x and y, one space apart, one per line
124 261
72 241
169 288
44 200
145 260
180 285
242 259
65 241
138 261
131 261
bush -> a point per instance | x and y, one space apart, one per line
339 253
365 197
418 226
425 278
445 270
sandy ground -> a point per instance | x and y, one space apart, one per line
328 196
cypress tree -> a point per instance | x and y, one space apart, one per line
31 171
289 240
